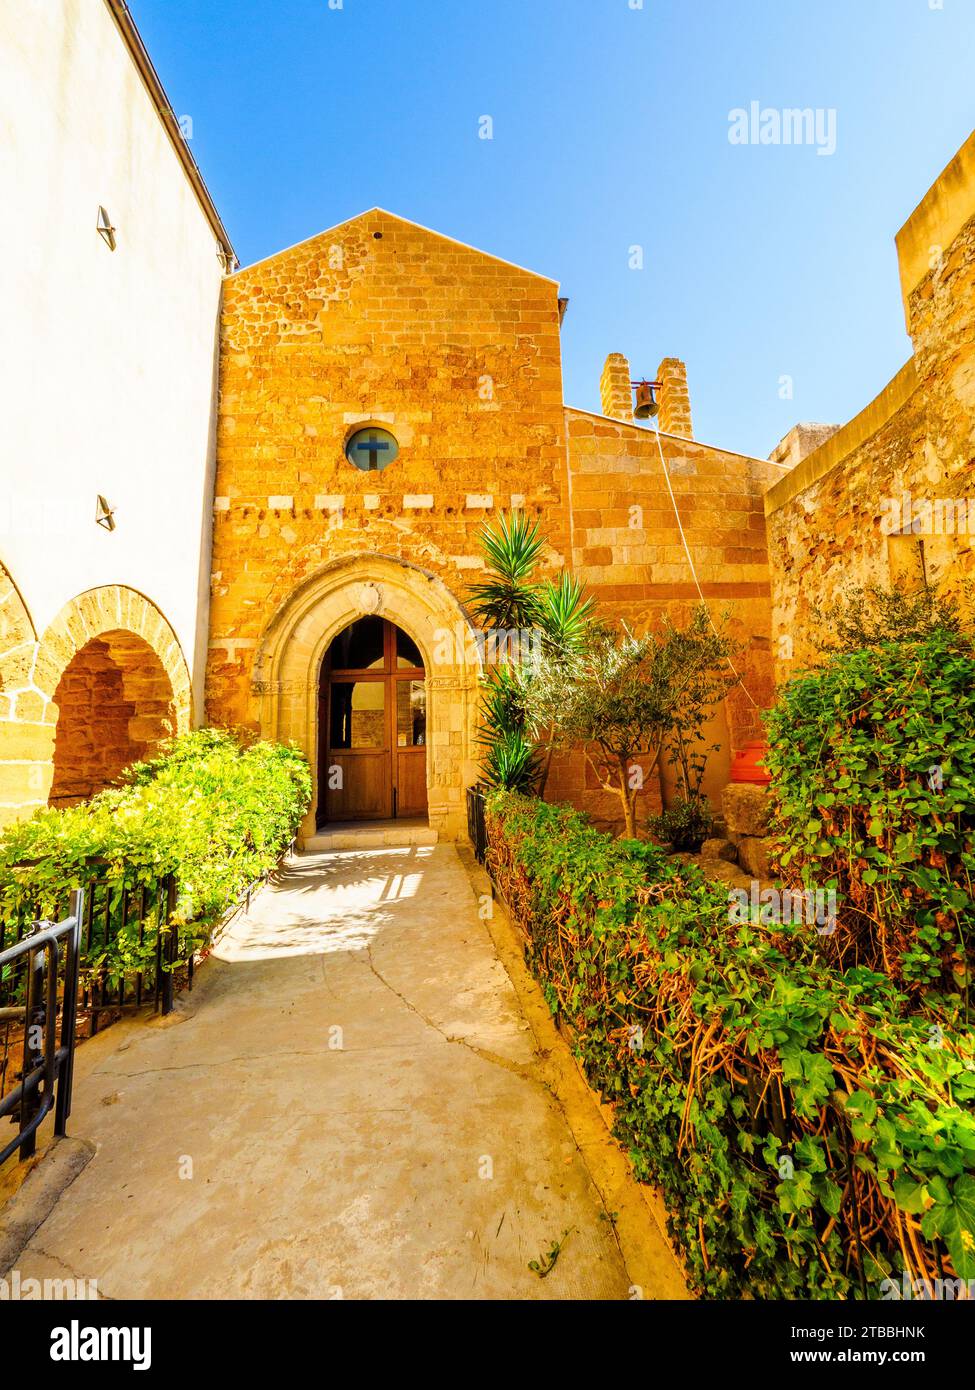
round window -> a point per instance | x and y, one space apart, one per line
371 450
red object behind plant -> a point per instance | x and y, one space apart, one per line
748 766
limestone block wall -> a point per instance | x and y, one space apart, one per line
905 463
627 544
827 535
99 723
376 322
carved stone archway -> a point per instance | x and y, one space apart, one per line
153 672
291 650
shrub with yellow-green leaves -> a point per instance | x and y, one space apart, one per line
212 809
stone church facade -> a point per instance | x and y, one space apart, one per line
379 324
257 499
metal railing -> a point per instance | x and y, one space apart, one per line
476 826
129 947
144 915
49 992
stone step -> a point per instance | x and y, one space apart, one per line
369 837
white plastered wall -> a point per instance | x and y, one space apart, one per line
108 375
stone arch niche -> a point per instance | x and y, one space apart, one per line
115 706
114 683
291 651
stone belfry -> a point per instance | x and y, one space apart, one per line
673 399
615 392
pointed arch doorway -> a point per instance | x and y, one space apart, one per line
372 725
287 671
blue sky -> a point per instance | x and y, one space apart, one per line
611 129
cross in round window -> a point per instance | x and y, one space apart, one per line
372 450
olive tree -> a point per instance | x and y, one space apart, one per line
625 699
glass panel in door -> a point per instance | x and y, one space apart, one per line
357 715
361 647
411 714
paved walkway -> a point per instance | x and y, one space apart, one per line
348 1105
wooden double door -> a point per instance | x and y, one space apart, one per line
372 722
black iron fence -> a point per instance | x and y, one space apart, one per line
476 825
130 948
130 951
127 952
40 971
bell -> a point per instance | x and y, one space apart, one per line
646 401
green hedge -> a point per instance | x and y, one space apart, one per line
872 758
215 811
811 1136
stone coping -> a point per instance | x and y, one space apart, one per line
936 221
845 441
646 432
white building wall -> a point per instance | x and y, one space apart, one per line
107 372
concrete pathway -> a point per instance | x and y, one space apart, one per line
349 1104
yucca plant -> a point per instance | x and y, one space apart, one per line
565 616
502 704
507 598
568 626
558 613
512 764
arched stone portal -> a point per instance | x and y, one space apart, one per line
289 658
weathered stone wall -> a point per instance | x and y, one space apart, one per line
115 706
828 535
830 520
92 743
378 322
627 544
381 322
801 440
141 645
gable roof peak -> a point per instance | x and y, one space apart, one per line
406 222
